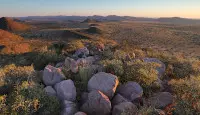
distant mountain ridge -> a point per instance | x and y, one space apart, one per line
173 20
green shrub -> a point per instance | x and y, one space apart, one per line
3 106
143 73
113 66
187 96
44 58
12 74
29 98
85 73
185 68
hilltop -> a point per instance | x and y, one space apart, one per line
10 24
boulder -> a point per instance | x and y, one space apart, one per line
125 108
118 99
66 90
70 108
97 104
104 82
74 66
52 75
82 52
161 69
50 91
161 100
80 113
130 90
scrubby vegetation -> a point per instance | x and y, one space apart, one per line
22 91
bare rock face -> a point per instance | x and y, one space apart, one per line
104 82
161 100
130 90
161 69
125 108
66 90
117 99
52 75
97 104
50 91
70 108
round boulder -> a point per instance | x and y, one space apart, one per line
97 104
104 82
125 108
130 90
66 90
118 99
50 91
161 100
52 75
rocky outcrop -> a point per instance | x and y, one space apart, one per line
66 90
97 104
52 75
130 90
104 82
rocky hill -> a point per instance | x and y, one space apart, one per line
9 24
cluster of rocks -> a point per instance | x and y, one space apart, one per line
105 96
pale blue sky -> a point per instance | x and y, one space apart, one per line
143 8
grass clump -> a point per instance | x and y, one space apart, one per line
187 95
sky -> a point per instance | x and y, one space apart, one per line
139 8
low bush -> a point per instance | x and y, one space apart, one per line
113 66
187 95
29 98
143 73
45 58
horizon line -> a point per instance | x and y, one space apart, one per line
104 16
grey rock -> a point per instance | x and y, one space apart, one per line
82 52
125 108
104 82
130 90
50 91
66 90
97 104
161 100
117 99
80 113
70 108
52 75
